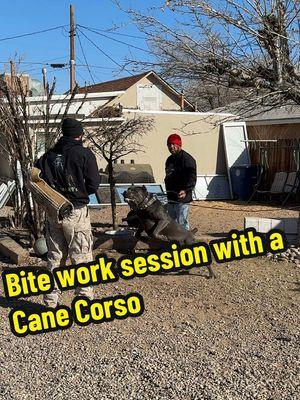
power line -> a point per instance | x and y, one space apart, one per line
54 59
115 40
46 62
49 72
115 33
83 53
93 66
82 77
104 53
32 33
103 72
85 66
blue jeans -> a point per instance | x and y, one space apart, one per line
180 213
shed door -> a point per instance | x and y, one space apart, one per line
236 146
235 142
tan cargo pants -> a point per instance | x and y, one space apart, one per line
71 237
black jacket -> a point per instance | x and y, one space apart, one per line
181 174
71 169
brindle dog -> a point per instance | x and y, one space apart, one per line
149 215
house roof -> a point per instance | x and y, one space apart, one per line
114 85
286 112
126 83
258 114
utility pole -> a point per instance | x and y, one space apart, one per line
72 49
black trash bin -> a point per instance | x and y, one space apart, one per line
243 179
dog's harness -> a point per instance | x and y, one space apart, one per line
147 202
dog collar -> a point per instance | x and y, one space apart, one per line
147 203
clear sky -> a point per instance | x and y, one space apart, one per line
20 17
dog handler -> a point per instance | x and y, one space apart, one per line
71 169
180 180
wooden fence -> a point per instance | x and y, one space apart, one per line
283 155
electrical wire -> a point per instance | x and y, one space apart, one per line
115 33
85 66
93 66
239 210
85 59
115 40
46 62
31 33
104 53
81 76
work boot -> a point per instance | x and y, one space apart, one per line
52 299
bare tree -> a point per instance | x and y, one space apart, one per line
114 138
21 127
249 45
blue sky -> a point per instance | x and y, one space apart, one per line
19 17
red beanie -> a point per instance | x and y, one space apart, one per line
174 139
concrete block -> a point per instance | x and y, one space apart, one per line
264 225
12 250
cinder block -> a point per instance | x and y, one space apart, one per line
263 225
12 250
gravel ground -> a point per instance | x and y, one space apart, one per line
236 337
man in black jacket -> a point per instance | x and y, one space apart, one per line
71 169
180 180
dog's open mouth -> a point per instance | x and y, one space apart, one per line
127 199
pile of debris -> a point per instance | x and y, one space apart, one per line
292 254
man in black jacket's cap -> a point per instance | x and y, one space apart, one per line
72 170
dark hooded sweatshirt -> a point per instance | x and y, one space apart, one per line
181 174
71 169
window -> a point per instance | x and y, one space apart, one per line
149 97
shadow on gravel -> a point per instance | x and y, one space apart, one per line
20 303
217 234
202 274
101 225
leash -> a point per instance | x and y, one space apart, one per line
228 209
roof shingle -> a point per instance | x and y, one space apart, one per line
114 85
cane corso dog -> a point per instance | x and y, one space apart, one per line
149 215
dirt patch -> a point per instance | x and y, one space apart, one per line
210 218
234 337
